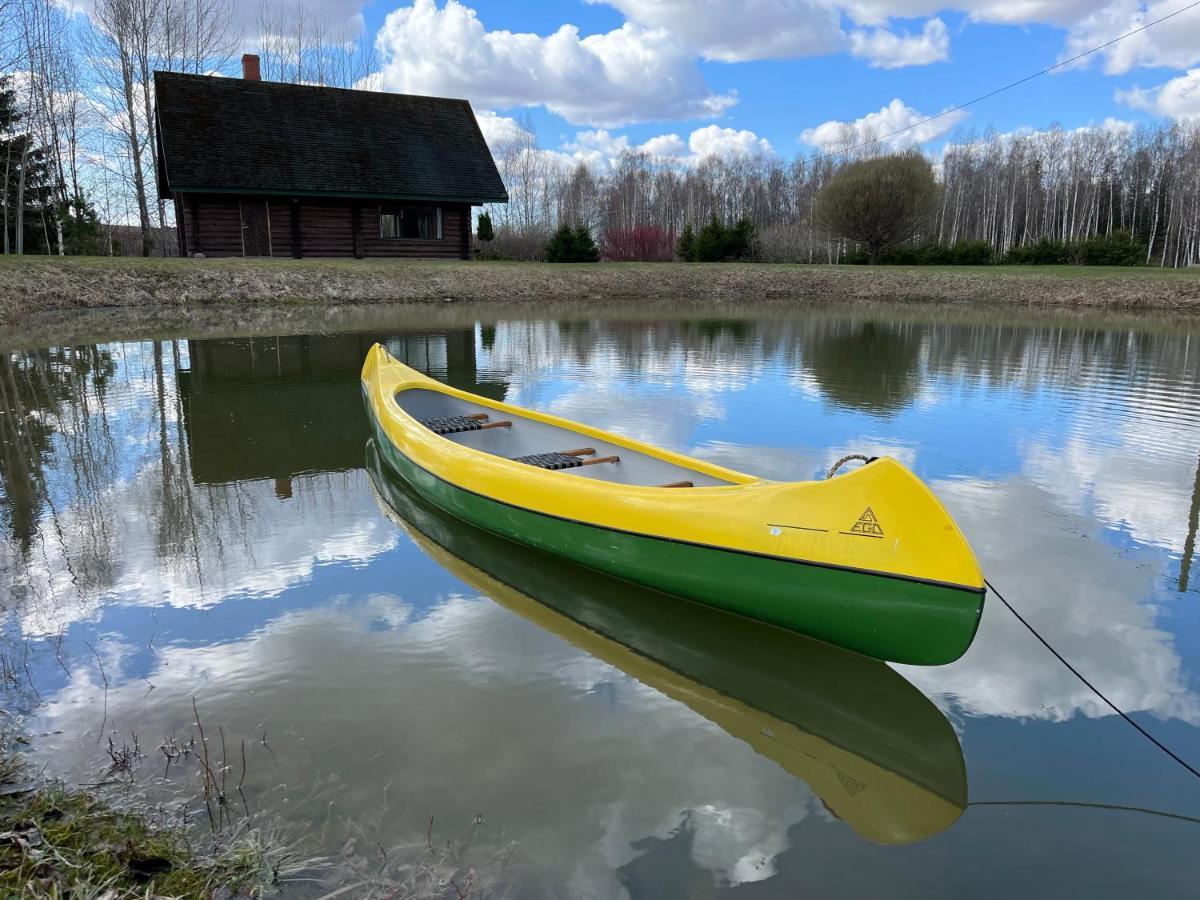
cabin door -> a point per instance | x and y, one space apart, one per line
256 228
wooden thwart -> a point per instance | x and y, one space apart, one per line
678 484
601 459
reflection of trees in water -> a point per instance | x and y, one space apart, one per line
114 456
871 366
53 411
82 428
61 454
865 363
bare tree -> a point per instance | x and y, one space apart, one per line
297 43
119 40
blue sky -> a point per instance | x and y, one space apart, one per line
778 76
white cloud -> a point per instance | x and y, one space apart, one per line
1179 98
1010 12
737 32
499 130
835 135
665 145
626 75
599 140
601 148
1174 44
713 140
891 50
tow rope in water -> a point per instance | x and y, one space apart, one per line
1095 690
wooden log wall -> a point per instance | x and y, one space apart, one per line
325 228
449 247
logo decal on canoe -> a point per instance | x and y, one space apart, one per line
867 525
852 785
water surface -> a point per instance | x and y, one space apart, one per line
203 517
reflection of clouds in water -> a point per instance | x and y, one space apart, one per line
1141 483
468 675
665 360
1129 457
227 540
1083 597
739 843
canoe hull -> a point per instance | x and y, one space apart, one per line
897 619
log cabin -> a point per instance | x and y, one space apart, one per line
259 168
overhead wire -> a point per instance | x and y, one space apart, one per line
1000 90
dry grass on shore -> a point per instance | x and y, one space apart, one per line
32 285
56 842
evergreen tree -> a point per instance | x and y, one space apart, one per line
717 243
483 230
25 179
82 232
686 246
572 245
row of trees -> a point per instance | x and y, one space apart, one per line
77 128
77 138
1010 191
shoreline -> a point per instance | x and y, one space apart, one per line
250 320
37 286
60 841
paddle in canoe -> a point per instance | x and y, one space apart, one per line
869 560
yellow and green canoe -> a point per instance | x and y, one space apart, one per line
868 560
880 755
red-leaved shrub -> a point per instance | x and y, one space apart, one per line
642 243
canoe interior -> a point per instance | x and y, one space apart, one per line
528 436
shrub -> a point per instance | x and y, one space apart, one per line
1116 249
483 230
720 243
971 253
964 253
686 248
1046 252
569 245
879 203
787 242
525 244
646 243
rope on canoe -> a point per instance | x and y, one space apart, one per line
452 424
845 459
1095 690
552 460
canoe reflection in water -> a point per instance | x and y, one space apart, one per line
879 754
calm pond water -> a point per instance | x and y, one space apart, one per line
203 517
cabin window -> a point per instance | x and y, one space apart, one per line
411 223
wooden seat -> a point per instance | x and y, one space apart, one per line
456 424
564 459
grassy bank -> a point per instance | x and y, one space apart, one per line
33 285
56 842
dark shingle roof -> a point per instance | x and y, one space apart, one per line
229 134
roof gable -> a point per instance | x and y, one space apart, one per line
230 134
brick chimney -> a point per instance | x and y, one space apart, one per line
250 67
